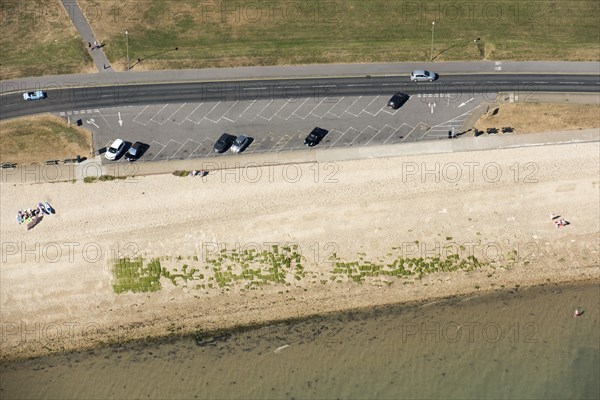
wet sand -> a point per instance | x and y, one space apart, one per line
510 344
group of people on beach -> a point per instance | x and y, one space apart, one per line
200 173
558 221
29 214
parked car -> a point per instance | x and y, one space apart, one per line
224 143
423 76
135 151
115 149
315 137
398 100
240 144
37 95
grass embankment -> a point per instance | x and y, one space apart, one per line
238 33
42 138
37 38
531 118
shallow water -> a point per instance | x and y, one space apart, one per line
514 344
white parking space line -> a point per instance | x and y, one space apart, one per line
294 112
326 104
204 114
186 118
140 113
181 147
165 146
263 109
170 116
359 133
288 109
237 110
277 146
378 131
352 105
376 108
341 136
338 103
304 110
159 111
211 110
218 112
386 129
255 146
267 112
281 108
197 147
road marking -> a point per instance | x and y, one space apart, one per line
120 120
134 120
175 112
466 102
186 118
91 121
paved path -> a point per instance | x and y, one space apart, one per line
87 35
320 70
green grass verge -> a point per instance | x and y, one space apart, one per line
38 38
311 31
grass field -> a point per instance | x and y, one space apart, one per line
37 38
531 118
237 32
41 138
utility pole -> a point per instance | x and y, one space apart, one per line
127 44
432 31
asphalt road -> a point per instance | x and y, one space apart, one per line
526 86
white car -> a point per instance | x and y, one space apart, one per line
423 76
37 95
115 149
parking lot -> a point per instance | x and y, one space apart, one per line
189 130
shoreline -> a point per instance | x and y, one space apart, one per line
368 211
217 334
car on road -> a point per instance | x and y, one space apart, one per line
135 151
315 136
240 144
37 95
420 75
398 100
224 143
115 149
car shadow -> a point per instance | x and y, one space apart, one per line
250 141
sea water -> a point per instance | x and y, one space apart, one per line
519 343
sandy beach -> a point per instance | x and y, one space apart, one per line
56 280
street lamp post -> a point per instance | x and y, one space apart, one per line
127 45
432 31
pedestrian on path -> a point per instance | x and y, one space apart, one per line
89 45
95 45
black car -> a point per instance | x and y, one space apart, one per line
135 151
224 143
315 137
398 100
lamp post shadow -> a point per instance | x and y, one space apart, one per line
139 60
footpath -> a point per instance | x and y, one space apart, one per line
95 47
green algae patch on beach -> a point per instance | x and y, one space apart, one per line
247 269
131 275
358 271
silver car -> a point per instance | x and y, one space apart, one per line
240 144
420 75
